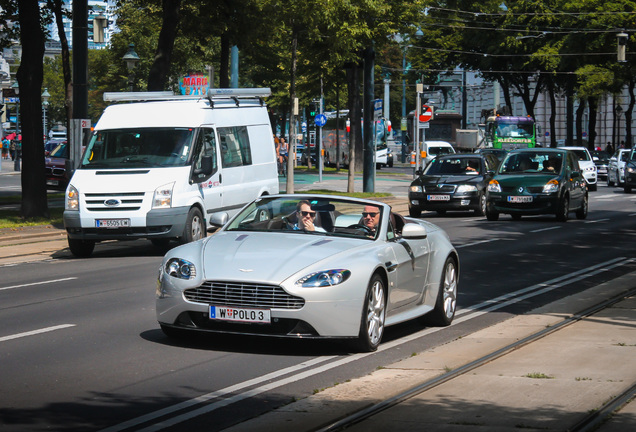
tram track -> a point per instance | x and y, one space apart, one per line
589 422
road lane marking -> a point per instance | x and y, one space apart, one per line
596 220
35 332
476 243
468 313
545 229
37 283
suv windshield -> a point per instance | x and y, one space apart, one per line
139 148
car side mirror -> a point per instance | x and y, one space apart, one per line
219 219
575 174
414 231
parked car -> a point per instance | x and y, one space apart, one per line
453 182
601 160
262 275
55 167
538 181
616 168
50 145
383 156
630 172
588 167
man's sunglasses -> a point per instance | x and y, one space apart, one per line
367 214
308 213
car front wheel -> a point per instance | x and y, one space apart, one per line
581 213
563 210
481 211
491 214
373 314
446 302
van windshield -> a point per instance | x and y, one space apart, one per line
139 148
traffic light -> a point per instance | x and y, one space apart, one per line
312 109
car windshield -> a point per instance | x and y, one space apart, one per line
141 147
600 156
310 216
458 166
61 151
440 150
532 162
582 154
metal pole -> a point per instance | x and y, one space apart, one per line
319 155
402 123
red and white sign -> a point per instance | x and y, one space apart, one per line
427 113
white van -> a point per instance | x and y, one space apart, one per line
432 149
170 167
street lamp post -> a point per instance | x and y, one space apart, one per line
131 59
45 102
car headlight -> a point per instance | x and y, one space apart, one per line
324 278
630 169
494 186
162 197
551 186
71 200
416 189
180 268
466 188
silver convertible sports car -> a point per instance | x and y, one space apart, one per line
310 266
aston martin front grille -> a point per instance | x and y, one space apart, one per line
247 295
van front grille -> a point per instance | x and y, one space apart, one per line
127 201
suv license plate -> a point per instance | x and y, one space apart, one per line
112 223
225 313
519 199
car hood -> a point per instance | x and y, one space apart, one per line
449 179
273 257
527 180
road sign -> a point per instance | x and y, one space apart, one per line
320 120
303 127
427 113
377 109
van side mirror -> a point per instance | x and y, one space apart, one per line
69 168
206 167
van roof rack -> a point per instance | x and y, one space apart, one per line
212 94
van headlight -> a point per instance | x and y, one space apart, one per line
162 197
71 200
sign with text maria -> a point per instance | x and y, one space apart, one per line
196 84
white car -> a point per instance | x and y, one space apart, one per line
616 168
587 165
355 269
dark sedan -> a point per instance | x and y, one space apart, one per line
538 181
453 182
55 164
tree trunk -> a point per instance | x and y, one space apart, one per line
224 69
553 110
569 112
56 7
629 114
592 131
579 122
30 75
160 69
353 84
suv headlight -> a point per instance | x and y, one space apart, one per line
71 200
162 197
494 186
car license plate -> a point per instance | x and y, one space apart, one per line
112 223
519 199
438 197
235 314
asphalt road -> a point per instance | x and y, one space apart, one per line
80 348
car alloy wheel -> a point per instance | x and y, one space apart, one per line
581 213
373 315
446 303
563 210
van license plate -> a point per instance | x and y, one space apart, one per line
112 223
225 313
519 199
